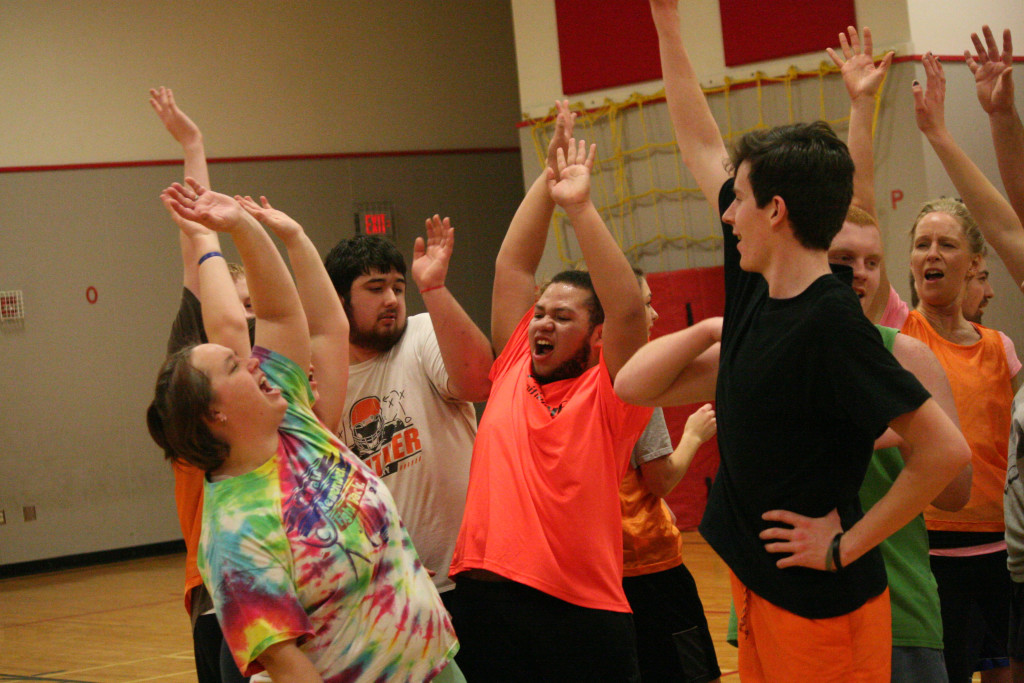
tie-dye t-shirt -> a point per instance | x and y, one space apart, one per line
309 546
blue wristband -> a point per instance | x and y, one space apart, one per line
209 254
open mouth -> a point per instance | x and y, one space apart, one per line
265 387
859 292
933 274
542 348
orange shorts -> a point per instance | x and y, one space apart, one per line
777 645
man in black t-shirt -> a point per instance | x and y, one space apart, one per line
803 386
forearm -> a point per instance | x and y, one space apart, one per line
286 663
934 453
223 316
1008 139
517 261
662 475
625 320
697 133
663 371
325 316
465 350
274 295
862 150
195 160
523 246
996 218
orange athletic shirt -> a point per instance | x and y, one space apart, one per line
542 507
650 541
983 392
188 496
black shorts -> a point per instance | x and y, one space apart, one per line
673 641
975 594
511 632
1016 644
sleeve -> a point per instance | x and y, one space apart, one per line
428 353
253 591
654 443
1011 355
515 347
866 378
187 328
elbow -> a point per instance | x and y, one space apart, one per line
627 389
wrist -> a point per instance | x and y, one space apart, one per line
431 288
573 209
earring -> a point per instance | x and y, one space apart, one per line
221 417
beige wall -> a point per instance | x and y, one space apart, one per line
261 78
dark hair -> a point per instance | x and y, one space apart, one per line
176 416
810 168
361 255
581 280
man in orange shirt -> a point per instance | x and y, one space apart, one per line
538 562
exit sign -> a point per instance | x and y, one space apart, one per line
375 218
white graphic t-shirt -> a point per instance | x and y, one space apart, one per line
401 420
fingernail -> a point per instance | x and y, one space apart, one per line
916 83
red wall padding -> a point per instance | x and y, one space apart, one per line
605 43
753 31
681 298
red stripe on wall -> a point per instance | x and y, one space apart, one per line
279 157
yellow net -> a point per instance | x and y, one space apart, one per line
646 196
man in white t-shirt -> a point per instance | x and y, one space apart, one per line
408 409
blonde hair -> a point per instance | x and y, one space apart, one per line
859 216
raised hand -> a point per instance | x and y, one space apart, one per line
571 185
860 74
283 225
212 209
190 229
564 122
930 103
177 123
430 258
992 71
808 542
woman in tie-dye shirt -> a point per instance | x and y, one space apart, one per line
311 570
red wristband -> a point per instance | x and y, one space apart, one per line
430 289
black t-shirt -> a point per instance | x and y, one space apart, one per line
805 385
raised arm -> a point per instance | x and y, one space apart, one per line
625 318
223 319
281 322
516 266
700 140
328 325
673 370
993 78
996 218
662 474
187 134
465 350
863 79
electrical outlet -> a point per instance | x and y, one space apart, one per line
3 517
30 512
